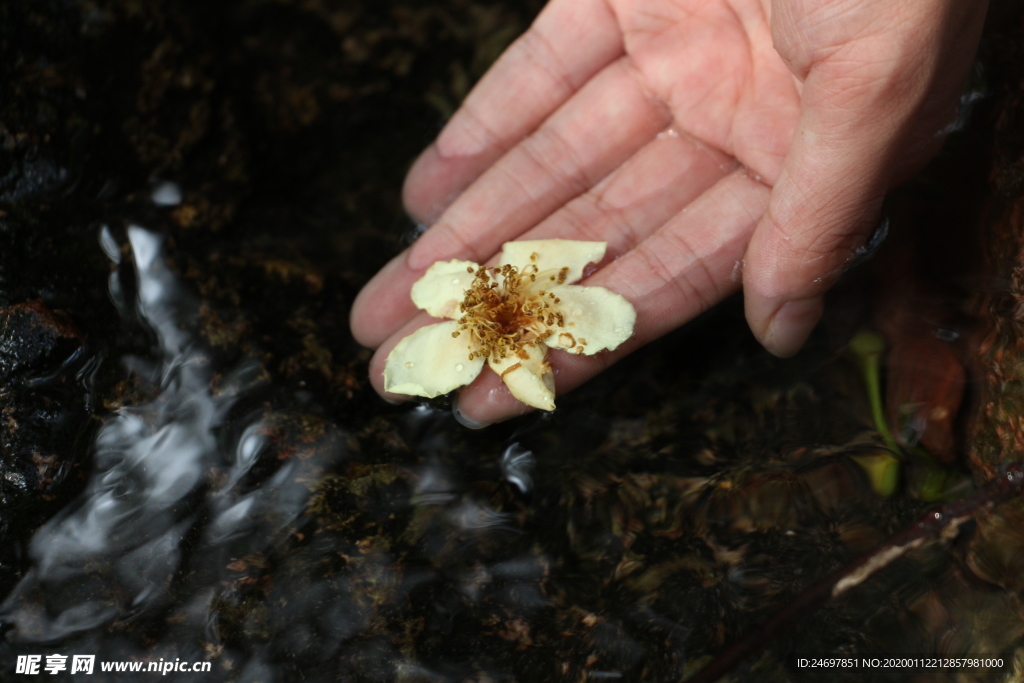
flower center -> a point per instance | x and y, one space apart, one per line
505 310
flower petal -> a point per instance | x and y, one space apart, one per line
430 362
553 255
442 288
595 319
529 379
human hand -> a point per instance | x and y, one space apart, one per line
693 136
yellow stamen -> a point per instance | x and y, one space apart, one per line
503 314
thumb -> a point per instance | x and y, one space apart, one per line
874 106
822 209
859 133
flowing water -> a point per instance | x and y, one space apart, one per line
196 469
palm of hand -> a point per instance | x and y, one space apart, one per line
714 67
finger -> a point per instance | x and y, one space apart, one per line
826 201
569 43
384 304
863 105
821 211
623 209
598 129
680 271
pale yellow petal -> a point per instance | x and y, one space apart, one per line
430 362
529 379
595 319
442 288
553 255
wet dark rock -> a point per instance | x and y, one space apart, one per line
43 417
34 342
43 410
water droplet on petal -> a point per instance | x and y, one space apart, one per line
455 280
459 367
409 364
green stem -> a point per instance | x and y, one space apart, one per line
868 347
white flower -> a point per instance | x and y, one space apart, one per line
509 316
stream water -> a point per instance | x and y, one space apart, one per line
196 469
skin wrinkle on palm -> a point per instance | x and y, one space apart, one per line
508 316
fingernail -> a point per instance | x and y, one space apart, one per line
392 402
791 325
463 420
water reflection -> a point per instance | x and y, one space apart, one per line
122 538
166 193
516 465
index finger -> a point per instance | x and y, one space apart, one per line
568 43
